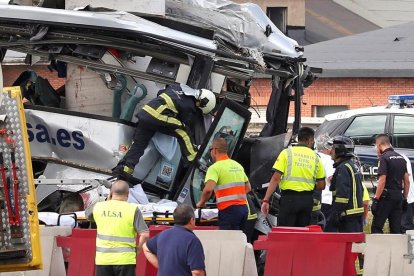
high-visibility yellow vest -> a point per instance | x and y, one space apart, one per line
230 178
301 168
116 236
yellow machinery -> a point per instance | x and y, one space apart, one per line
19 231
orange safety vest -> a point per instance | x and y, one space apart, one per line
230 178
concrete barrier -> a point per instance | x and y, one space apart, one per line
227 253
388 255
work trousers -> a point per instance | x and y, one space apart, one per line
143 134
115 270
233 217
351 224
295 209
407 218
327 210
389 208
249 229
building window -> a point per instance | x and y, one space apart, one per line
323 110
278 15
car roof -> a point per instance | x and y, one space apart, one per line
394 109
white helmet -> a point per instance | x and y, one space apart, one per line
206 101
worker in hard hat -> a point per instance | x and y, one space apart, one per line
172 112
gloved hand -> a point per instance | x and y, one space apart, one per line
404 205
374 206
365 222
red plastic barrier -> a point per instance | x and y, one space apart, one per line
311 228
80 247
79 251
305 252
145 268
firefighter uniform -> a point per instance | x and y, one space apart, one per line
171 113
347 190
230 193
316 208
251 219
301 168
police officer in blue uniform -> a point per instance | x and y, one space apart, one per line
389 198
171 113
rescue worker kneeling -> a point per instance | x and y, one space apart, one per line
172 113
346 187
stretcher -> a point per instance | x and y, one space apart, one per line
153 213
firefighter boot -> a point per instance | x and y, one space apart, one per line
124 172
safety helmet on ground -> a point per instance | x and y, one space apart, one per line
344 146
206 101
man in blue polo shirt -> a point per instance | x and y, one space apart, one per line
177 251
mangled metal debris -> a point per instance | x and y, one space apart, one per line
218 45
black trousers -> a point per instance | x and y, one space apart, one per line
143 134
295 209
389 208
407 218
115 270
327 210
248 230
351 224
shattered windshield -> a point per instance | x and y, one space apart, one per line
229 127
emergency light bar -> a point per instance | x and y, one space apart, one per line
401 99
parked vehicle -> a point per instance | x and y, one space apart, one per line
395 119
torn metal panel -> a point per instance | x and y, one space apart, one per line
242 25
150 6
116 21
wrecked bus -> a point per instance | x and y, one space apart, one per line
115 62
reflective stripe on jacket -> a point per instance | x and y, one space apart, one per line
230 181
230 194
116 236
348 189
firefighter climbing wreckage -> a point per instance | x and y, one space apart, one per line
120 66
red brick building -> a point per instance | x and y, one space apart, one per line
349 93
11 72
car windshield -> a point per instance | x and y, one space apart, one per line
328 127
